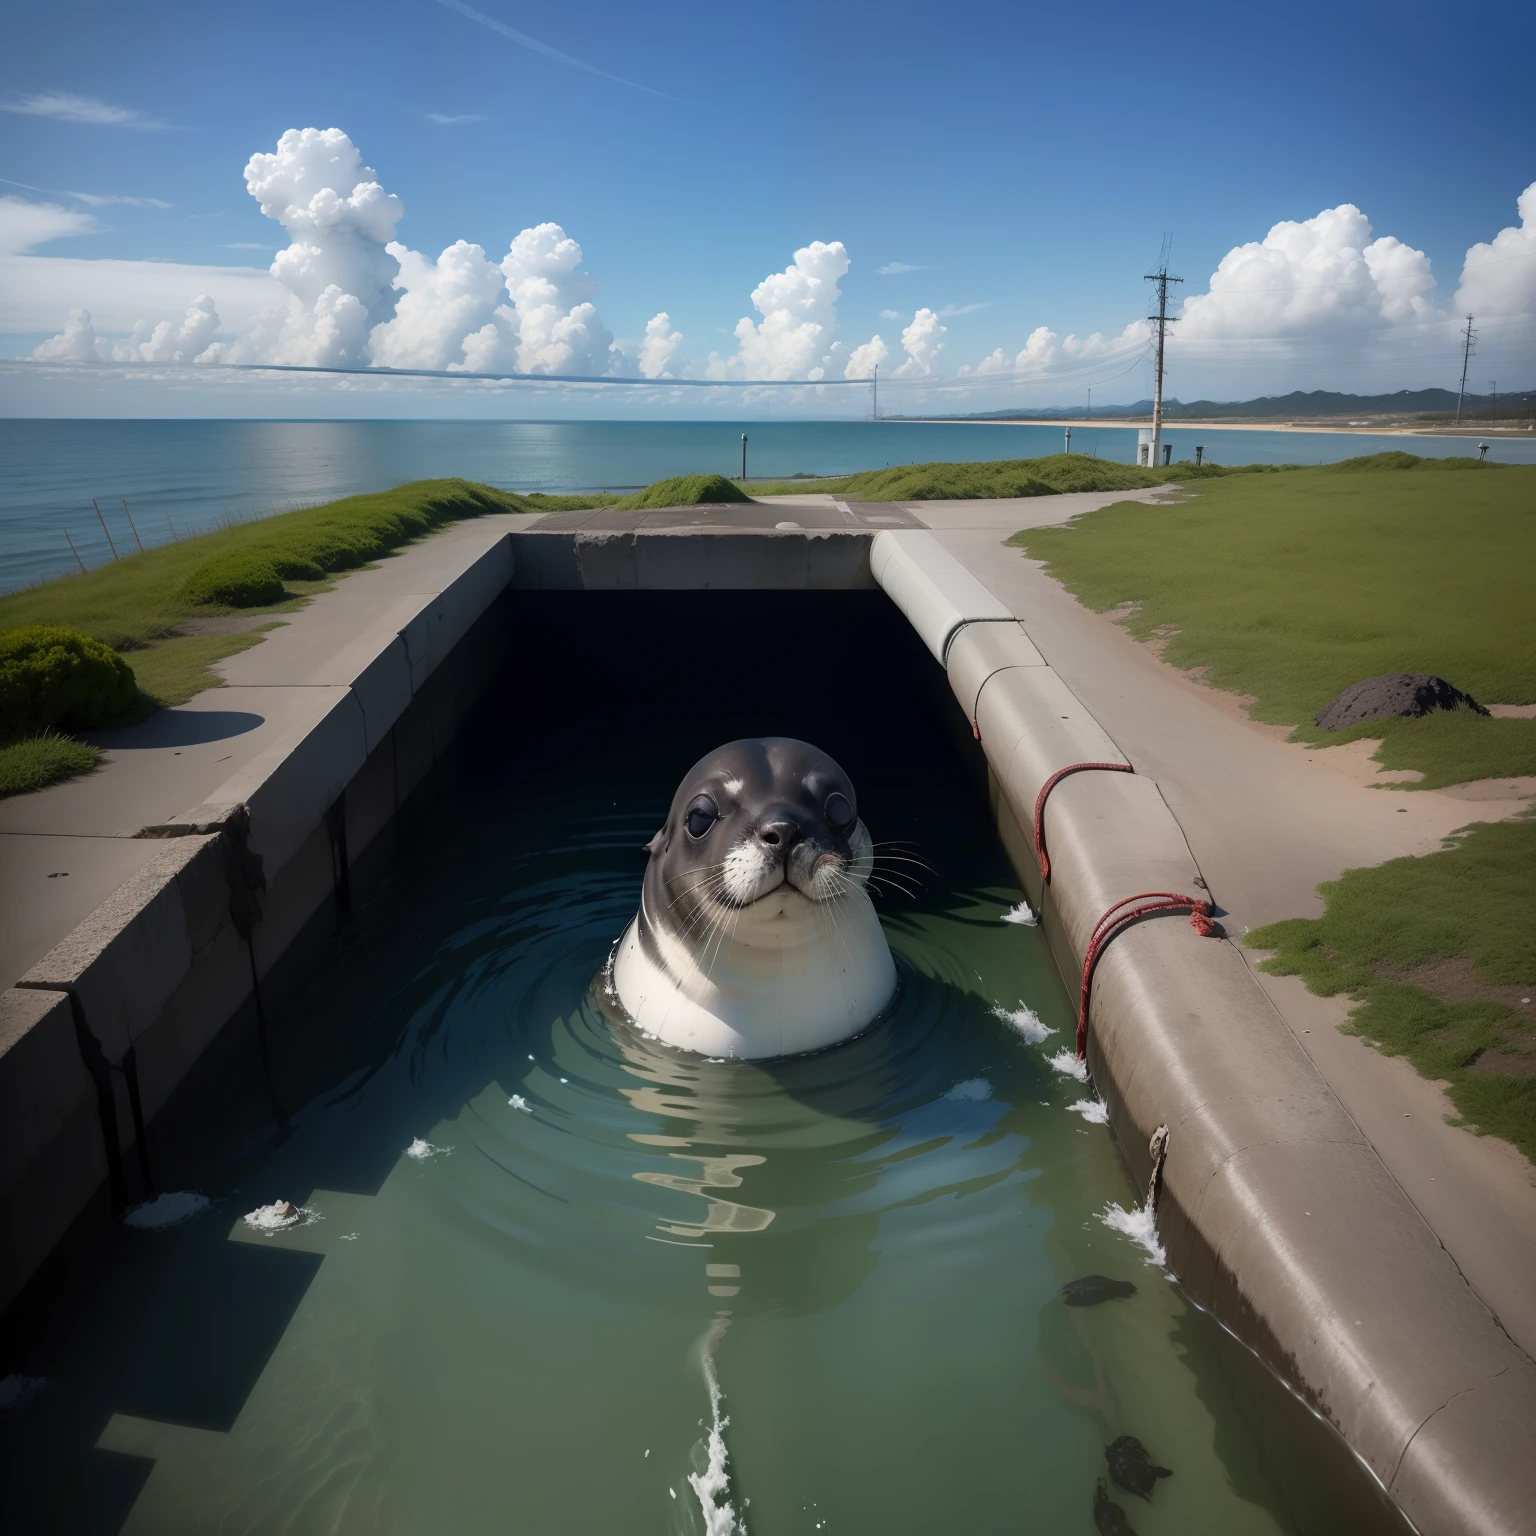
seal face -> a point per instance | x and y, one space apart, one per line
755 935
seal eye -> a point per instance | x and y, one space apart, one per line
700 816
839 812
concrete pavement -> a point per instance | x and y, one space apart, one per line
1268 821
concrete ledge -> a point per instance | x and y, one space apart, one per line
932 588
1276 1212
665 560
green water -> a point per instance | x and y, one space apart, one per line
518 1332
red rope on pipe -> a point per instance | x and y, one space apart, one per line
1040 799
1117 920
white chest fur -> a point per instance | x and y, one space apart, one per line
780 977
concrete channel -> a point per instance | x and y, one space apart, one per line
1277 1214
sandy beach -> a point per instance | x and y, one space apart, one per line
1180 424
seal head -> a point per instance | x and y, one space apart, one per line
755 935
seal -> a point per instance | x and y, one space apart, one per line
755 936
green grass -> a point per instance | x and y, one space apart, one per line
1472 901
1292 587
685 491
139 605
1052 475
34 762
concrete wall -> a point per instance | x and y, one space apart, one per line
128 1002
1276 1213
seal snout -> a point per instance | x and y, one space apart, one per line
781 834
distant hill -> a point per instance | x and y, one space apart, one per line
1299 404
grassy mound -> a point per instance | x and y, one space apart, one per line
54 677
1470 903
1290 588
686 491
1397 459
1052 475
139 604
35 762
239 579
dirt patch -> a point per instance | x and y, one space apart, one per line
1456 979
1502 1064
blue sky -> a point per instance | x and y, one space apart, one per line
1024 161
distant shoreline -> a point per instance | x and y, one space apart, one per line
1181 425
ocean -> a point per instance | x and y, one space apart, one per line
160 480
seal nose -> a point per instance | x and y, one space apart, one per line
781 834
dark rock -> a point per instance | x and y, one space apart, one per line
1090 1290
1108 1518
1131 1468
1406 694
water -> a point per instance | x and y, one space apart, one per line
552 1277
181 477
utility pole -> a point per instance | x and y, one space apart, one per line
1493 400
743 457
877 391
1466 357
1162 320
1090 402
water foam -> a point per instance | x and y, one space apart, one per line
1140 1225
1020 914
712 1486
1068 1065
1025 1020
166 1211
1094 1111
973 1089
422 1149
279 1217
517 1101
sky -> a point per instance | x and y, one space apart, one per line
966 197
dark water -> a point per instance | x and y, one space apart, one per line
181 477
628 1287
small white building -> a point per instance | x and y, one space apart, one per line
1144 446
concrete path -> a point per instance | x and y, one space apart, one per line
64 850
1267 821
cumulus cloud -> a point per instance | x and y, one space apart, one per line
558 327
799 315
338 269
189 340
1499 276
448 315
922 342
660 347
24 225
1044 350
863 361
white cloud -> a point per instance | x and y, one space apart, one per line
951 310
167 342
890 314
70 108
76 343
339 269
449 313
799 314
24 225
91 199
1322 275
660 346
896 268
558 328
1499 276
922 342
443 119
863 360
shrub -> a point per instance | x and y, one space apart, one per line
57 677
686 491
290 564
239 579
35 762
